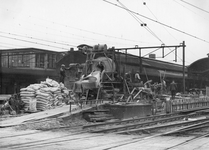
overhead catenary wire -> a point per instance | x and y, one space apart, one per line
16 45
144 3
186 7
149 30
84 38
76 28
96 33
34 38
178 30
13 38
141 22
5 46
158 20
195 6
39 22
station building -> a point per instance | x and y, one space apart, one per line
22 67
199 73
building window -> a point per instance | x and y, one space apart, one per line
15 60
4 61
40 60
51 61
31 60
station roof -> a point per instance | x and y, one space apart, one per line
24 50
200 66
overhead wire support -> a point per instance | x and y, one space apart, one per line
158 22
151 52
158 47
149 47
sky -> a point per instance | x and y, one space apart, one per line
59 25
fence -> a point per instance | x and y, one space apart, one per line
189 103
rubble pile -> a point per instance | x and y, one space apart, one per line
46 95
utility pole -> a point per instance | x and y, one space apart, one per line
183 44
1 73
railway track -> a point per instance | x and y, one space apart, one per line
188 141
136 124
173 131
47 142
169 126
78 134
132 120
39 144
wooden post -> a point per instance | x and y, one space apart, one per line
140 63
70 107
126 57
1 75
183 67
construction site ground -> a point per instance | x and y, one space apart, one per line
66 134
11 138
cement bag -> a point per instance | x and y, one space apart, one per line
45 89
43 94
55 84
54 89
30 89
35 86
23 89
25 100
66 92
52 83
27 95
26 92
41 91
42 107
41 102
44 97
32 104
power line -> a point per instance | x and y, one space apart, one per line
195 6
81 37
149 30
190 10
171 51
83 30
144 3
141 22
32 42
33 38
96 33
159 22
12 44
5 46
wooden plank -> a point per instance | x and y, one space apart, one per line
36 116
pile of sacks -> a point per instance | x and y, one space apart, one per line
46 95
